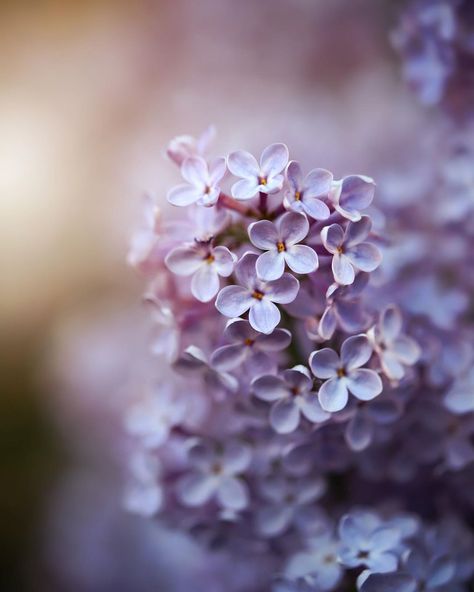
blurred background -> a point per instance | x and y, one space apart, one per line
91 93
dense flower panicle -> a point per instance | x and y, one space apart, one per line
294 366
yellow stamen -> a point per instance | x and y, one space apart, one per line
210 259
341 372
249 342
297 195
262 180
257 295
281 247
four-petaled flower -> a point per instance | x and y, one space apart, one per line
203 182
265 177
256 295
349 250
352 194
306 195
205 263
194 360
394 349
246 342
217 469
345 374
280 242
291 395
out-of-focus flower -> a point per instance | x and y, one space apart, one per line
193 360
182 147
203 182
280 242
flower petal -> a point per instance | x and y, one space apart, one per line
196 489
245 272
274 159
183 195
270 388
333 395
270 265
278 340
332 237
224 261
264 316
365 256
315 208
318 183
243 164
245 189
233 301
293 227
232 493
357 232
311 408
355 351
391 365
273 520
194 170
238 330
283 290
364 384
301 259
217 170
357 193
294 177
284 416
184 260
406 350
342 269
229 357
263 235
324 363
205 283
236 457
391 582
359 432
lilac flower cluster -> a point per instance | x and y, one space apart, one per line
436 41
299 382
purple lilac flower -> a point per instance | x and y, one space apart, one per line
394 349
345 374
205 263
265 177
203 182
143 493
307 195
352 194
460 397
216 473
286 501
246 342
349 249
280 242
291 395
182 147
256 295
193 360
318 564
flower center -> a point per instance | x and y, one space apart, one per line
341 372
207 190
295 391
363 555
329 559
297 195
258 295
216 468
340 250
210 258
262 180
281 247
249 342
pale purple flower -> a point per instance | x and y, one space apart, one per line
203 182
182 147
286 502
193 360
143 493
352 194
205 263
460 397
349 249
216 474
144 249
307 195
345 374
246 342
280 241
318 564
265 177
167 336
292 395
258 296
152 419
394 349
368 542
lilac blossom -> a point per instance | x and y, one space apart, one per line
349 250
217 470
143 494
280 242
345 374
265 177
286 501
259 297
292 396
246 343
394 349
182 147
460 397
352 194
205 263
202 182
307 195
